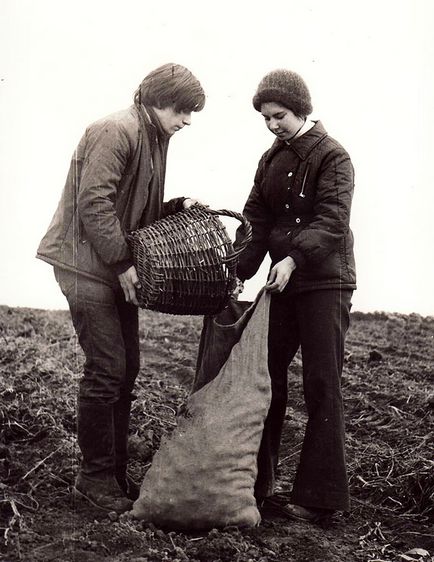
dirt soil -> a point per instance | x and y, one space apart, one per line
389 401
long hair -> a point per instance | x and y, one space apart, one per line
171 85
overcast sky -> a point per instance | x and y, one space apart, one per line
369 66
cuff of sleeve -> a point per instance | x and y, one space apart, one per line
297 257
179 203
122 266
241 275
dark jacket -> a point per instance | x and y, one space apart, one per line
106 195
299 206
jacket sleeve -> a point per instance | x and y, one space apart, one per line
331 211
173 206
260 217
106 155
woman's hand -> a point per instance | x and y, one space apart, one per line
238 289
129 282
279 275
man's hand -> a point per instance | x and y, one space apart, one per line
129 283
279 275
187 203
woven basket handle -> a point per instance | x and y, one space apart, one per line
247 230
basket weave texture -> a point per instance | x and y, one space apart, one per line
186 262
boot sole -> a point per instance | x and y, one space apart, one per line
286 511
77 495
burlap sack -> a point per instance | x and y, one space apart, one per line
203 475
218 336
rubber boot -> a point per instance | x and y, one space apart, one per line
96 479
121 413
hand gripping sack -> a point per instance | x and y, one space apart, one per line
203 475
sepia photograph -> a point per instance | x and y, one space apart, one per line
216 292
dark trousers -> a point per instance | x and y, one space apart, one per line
107 329
316 321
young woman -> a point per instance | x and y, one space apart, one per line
299 208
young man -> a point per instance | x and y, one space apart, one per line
115 184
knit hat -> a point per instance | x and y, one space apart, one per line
285 87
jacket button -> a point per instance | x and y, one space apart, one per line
289 174
287 206
298 220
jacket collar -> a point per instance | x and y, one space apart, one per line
302 145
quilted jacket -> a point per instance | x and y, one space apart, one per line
299 206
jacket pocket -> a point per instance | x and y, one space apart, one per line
66 279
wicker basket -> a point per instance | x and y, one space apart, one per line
186 262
